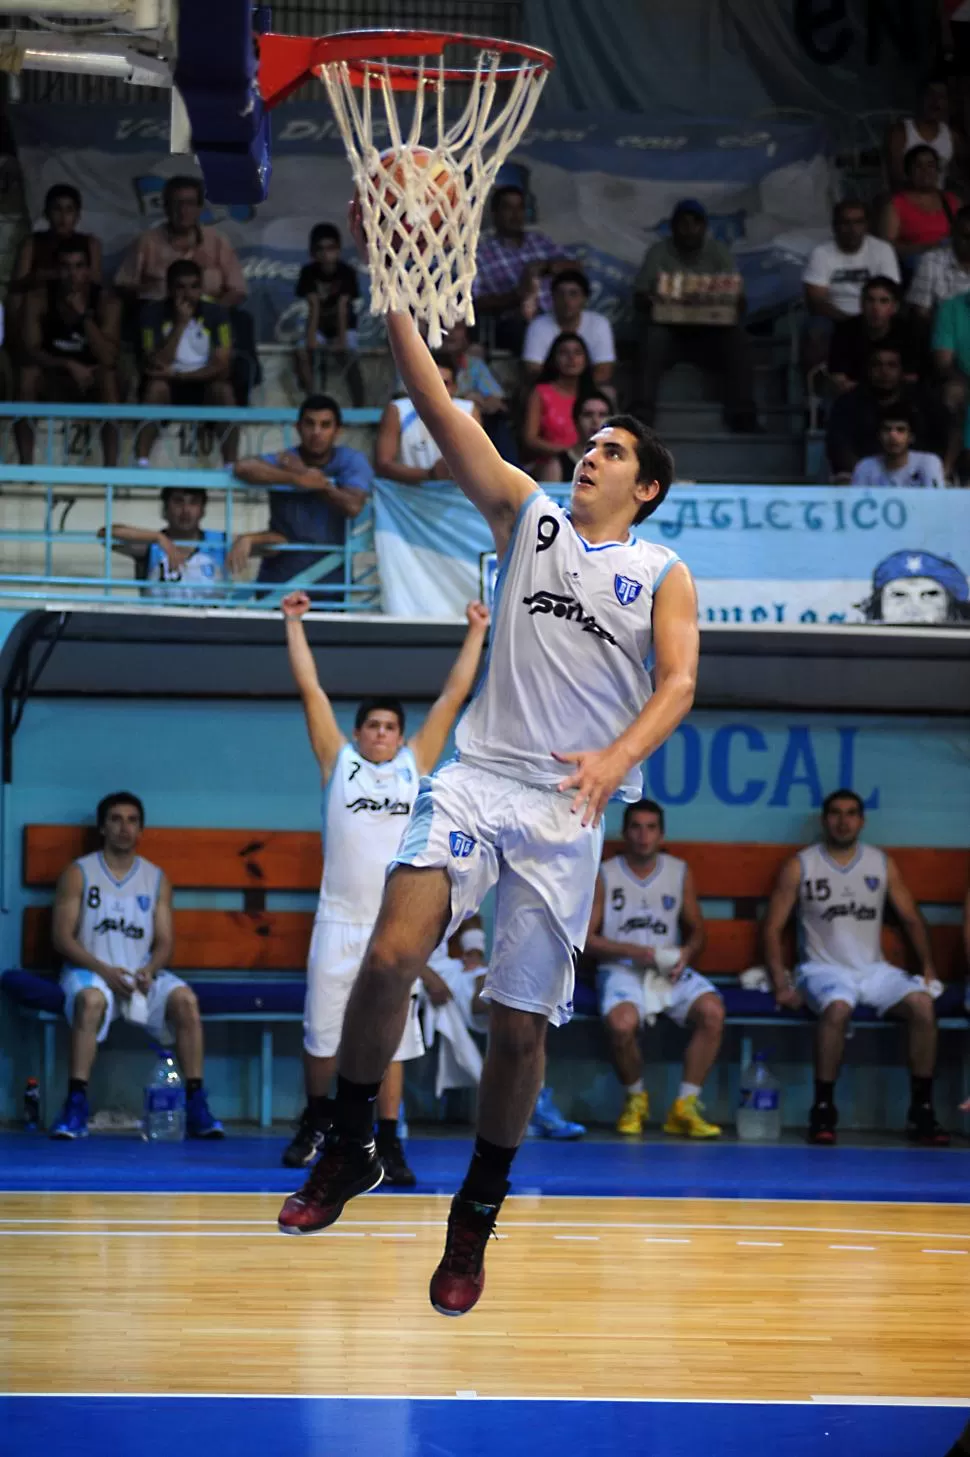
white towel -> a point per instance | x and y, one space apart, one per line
459 1060
755 979
658 993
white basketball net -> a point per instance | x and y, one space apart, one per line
421 239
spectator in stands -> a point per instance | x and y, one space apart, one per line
928 127
943 272
182 237
951 358
645 929
113 930
835 274
329 484
71 333
898 464
186 345
181 559
723 347
838 890
920 215
475 381
853 428
570 295
590 413
404 450
329 286
515 268
549 430
36 263
853 340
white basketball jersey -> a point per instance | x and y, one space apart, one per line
365 810
570 641
840 907
417 444
117 921
207 564
646 912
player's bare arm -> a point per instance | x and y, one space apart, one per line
599 772
67 914
326 740
163 942
693 931
902 902
428 743
603 948
783 900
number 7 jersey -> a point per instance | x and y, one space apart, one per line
570 642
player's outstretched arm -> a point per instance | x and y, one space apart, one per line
429 741
326 740
780 907
598 772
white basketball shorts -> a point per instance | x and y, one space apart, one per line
75 979
336 951
880 986
486 829
616 984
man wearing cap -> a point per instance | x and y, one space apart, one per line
692 272
918 587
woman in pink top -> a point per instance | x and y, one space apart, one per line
549 428
918 217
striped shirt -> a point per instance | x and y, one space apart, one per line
939 276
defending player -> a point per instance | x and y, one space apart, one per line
561 722
369 786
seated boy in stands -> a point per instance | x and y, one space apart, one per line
897 463
113 929
404 450
330 288
644 905
838 891
180 559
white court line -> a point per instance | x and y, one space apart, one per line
391 1234
761 1244
944 1252
591 1238
868 1248
891 1400
959 1402
655 1240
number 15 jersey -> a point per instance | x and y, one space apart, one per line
840 907
570 641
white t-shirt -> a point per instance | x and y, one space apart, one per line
595 330
193 349
922 468
844 274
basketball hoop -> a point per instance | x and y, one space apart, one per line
423 190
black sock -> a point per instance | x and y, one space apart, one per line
353 1113
321 1113
76 1085
487 1180
386 1130
192 1086
824 1092
922 1091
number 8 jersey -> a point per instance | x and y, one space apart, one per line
570 641
840 908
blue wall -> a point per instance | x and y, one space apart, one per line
248 764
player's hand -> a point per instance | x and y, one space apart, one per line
676 972
144 979
597 774
177 555
440 471
240 552
355 226
643 956
118 979
478 615
295 605
788 996
438 990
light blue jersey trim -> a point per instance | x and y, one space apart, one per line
119 883
842 869
631 876
603 546
418 832
674 561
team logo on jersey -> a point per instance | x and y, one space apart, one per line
144 901
627 590
554 603
669 902
461 844
872 882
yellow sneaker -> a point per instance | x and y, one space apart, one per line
636 1111
687 1121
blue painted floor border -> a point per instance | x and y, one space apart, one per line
604 1168
397 1427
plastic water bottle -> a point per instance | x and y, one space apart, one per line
759 1112
32 1105
164 1119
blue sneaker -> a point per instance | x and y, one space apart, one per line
199 1122
73 1120
548 1122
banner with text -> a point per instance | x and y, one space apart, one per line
602 185
814 554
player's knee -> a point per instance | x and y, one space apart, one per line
919 1009
89 1006
182 1006
518 1036
390 962
623 1022
709 1013
837 1014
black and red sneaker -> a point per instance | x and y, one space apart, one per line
822 1121
922 1127
460 1277
345 1168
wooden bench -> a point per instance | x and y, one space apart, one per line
260 951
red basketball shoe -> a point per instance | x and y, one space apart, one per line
460 1277
345 1168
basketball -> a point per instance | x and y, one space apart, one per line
423 180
